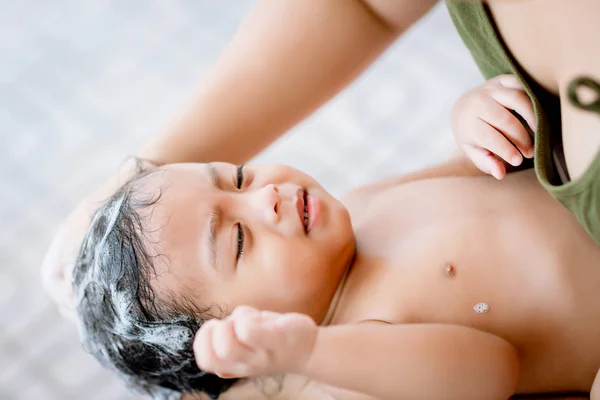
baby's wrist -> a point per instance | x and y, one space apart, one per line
304 359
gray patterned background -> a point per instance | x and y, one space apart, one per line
84 83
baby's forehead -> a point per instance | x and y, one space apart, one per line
181 201
173 186
174 174
176 224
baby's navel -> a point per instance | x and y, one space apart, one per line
450 272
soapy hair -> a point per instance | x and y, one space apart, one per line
146 340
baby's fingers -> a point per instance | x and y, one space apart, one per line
517 100
507 80
485 161
228 348
491 138
256 330
211 349
203 347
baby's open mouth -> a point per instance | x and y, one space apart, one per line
305 220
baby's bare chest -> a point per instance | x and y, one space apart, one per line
528 277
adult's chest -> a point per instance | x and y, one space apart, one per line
531 30
555 41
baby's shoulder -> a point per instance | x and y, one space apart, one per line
358 200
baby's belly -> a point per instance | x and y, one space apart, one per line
456 246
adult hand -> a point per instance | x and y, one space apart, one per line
58 263
57 267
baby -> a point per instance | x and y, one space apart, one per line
441 284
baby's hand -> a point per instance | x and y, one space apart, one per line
487 131
251 342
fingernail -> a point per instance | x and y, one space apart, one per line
492 171
533 125
496 172
516 160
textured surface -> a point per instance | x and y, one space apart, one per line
82 84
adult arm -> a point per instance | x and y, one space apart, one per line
286 59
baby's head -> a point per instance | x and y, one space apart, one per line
184 243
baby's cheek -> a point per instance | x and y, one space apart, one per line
292 263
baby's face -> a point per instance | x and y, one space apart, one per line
226 237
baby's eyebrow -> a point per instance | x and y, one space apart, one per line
214 176
214 219
214 223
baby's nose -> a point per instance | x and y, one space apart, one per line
265 202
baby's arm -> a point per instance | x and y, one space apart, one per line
412 361
457 165
415 361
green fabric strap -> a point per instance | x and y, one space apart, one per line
589 83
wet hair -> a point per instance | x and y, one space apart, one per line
146 340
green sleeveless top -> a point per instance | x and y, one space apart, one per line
582 196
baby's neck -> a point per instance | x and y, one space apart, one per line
333 306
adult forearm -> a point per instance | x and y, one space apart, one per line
414 361
287 58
